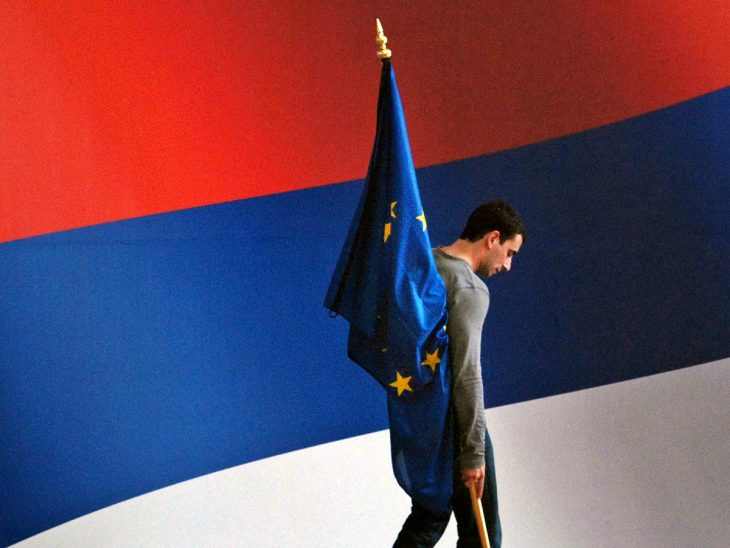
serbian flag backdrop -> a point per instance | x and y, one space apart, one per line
170 218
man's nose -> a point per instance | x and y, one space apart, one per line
507 264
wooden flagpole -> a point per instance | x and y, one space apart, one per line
476 504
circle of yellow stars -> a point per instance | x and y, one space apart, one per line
401 383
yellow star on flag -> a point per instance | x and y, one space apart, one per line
392 210
422 218
401 383
386 232
432 360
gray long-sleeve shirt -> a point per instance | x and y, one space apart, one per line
467 301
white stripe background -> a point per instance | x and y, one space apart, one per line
642 463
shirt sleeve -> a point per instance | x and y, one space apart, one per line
466 317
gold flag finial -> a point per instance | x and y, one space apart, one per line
381 40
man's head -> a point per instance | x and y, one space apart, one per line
496 233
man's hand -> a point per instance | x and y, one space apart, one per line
474 476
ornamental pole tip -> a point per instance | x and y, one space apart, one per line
381 40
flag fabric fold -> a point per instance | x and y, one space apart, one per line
387 287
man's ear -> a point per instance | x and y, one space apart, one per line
492 238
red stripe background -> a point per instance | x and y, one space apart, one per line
128 109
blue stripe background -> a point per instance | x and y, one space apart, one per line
142 353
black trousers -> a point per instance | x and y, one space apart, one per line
423 528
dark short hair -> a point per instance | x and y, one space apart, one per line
493 215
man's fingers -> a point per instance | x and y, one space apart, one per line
475 477
480 487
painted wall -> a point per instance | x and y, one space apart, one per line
170 220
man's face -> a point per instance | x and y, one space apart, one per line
497 256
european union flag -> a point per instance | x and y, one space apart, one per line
387 286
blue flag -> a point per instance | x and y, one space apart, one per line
387 286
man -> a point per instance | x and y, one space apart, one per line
493 235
